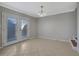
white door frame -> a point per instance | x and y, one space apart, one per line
18 31
4 28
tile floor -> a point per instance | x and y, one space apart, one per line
39 47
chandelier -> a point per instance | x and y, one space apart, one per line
42 13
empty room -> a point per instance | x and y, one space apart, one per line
39 28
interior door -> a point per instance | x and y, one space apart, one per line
23 22
10 28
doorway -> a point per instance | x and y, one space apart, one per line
16 28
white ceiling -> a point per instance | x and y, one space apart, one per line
33 8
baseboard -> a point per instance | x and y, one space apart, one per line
32 38
54 39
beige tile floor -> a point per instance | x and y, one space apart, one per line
39 47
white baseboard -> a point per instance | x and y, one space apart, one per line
32 38
59 39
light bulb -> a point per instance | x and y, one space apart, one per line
42 14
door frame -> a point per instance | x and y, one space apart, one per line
4 28
20 32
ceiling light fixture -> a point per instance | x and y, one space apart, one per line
42 13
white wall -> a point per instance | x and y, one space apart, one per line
0 34
59 27
33 28
78 26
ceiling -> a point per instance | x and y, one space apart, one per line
33 8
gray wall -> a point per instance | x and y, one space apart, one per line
59 27
78 26
0 26
33 28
